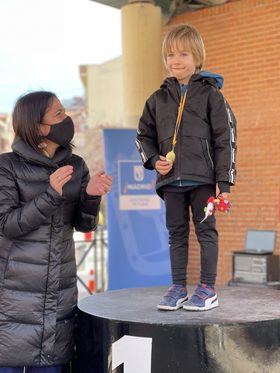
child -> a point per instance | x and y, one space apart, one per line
45 193
188 134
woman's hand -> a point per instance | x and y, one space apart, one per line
60 177
99 184
163 166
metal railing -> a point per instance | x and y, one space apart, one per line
92 254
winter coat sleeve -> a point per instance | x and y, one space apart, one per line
223 128
17 220
146 140
88 208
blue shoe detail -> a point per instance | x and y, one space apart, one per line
174 298
204 298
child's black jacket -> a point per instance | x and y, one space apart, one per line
206 143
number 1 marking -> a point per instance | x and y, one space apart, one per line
134 352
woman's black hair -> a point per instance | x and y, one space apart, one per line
28 114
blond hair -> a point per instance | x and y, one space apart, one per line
187 37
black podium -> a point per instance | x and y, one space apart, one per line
123 332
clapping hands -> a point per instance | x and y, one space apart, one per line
99 184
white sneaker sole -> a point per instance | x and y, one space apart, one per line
179 304
208 305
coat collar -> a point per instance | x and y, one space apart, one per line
213 79
26 152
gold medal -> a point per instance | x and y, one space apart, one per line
170 156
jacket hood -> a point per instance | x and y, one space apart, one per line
214 79
25 151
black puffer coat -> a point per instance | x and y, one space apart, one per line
38 291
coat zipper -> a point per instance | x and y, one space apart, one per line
180 136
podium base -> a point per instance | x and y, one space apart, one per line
124 330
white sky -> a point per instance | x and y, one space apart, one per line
43 42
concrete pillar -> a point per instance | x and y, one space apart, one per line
142 63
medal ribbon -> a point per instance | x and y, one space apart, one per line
178 121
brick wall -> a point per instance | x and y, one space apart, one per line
242 44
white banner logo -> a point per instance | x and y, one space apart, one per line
138 173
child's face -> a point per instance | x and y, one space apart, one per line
180 63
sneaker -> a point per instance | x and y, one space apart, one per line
204 298
174 298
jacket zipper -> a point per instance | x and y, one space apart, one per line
208 151
180 136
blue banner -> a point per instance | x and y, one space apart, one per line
137 237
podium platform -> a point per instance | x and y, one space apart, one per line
123 332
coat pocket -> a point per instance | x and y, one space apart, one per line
194 157
165 128
6 247
165 146
3 268
64 339
208 153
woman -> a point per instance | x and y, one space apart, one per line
45 192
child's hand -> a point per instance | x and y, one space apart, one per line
224 195
163 166
218 193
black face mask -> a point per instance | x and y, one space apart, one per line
62 133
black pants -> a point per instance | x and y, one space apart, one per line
177 222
